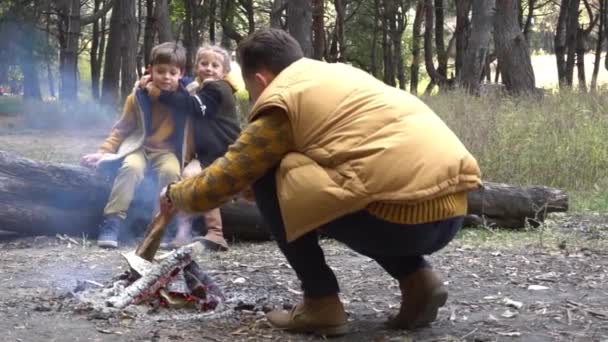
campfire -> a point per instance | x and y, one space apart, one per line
172 280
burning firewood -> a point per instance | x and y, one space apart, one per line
176 281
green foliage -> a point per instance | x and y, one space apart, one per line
558 141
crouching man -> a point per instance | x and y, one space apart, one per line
330 148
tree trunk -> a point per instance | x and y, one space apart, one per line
337 49
163 21
31 82
228 31
529 19
416 36
442 54
45 198
299 23
95 61
512 50
276 13
580 60
49 68
188 26
128 74
140 23
212 12
510 206
249 12
69 52
388 26
463 7
373 60
149 31
572 30
401 23
560 43
436 77
600 43
111 69
479 45
318 29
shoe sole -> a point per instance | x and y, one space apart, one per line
107 244
333 331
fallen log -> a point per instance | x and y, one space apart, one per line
41 198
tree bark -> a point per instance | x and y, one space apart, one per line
128 74
276 13
45 198
318 29
212 12
401 23
512 50
463 7
95 61
111 69
416 36
299 24
529 19
163 21
560 43
436 77
600 43
69 52
149 31
479 45
572 29
442 54
388 26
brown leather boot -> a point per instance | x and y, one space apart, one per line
321 316
214 239
422 294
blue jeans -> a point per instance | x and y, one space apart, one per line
398 248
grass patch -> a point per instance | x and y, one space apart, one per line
559 140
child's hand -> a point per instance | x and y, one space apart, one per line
153 90
91 160
145 80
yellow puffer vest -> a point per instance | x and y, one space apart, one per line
358 141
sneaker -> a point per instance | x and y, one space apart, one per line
108 232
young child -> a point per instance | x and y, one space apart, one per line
147 133
210 102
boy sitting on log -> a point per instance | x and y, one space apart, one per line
148 132
330 148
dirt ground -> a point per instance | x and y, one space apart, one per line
549 284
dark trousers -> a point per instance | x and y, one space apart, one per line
398 248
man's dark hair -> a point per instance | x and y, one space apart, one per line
270 49
169 53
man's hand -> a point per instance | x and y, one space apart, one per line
165 205
91 160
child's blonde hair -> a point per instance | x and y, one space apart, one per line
197 84
217 50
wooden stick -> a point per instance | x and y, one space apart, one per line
147 249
